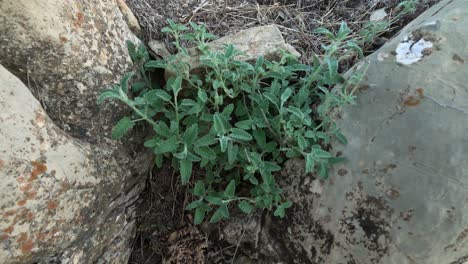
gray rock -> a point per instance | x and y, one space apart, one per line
67 191
158 49
402 196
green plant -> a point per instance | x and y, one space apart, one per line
373 29
237 121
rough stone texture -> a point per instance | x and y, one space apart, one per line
129 17
265 41
158 49
66 190
402 197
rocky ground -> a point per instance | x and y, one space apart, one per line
164 229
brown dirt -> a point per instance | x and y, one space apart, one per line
160 208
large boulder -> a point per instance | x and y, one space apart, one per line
402 196
67 191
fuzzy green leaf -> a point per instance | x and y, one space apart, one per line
285 95
199 216
163 95
185 171
169 145
245 207
206 140
205 152
199 189
122 127
218 215
240 134
310 163
230 189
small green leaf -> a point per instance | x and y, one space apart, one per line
341 138
310 163
185 171
106 95
246 124
296 111
206 140
190 135
230 189
199 216
272 98
169 145
214 200
285 95
325 32
302 142
158 159
151 143
223 142
232 153
122 127
245 207
224 210
162 129
323 171
163 95
138 86
321 154
199 189
205 152
218 215
202 96
124 81
194 205
240 134
279 212
175 84
221 125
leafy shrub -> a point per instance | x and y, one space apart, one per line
238 121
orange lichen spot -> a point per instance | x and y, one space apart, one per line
22 237
9 229
420 92
79 20
40 236
2 163
21 203
52 205
25 187
31 195
30 216
27 246
9 213
63 39
4 237
411 101
38 169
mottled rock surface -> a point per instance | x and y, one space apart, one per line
66 190
402 196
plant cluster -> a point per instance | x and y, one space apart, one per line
237 121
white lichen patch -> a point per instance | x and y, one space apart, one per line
410 51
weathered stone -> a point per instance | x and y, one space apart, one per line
158 49
402 196
129 17
66 190
265 41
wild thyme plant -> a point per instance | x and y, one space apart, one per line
237 121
